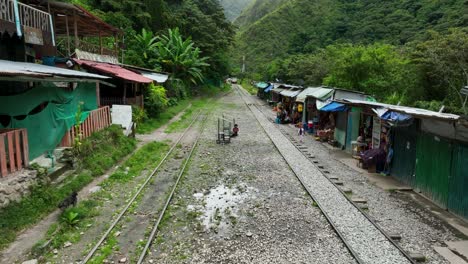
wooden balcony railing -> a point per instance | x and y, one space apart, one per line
34 18
96 121
96 49
28 16
14 150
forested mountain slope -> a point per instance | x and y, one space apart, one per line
302 26
257 10
233 8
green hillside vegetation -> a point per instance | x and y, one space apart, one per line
398 51
257 10
189 39
233 8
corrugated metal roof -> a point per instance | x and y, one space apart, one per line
286 86
278 90
116 71
303 95
405 109
157 77
290 93
321 93
16 68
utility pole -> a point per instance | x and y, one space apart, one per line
243 64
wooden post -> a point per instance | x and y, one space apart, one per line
18 149
125 94
75 26
116 46
68 36
98 94
11 151
3 163
25 147
100 42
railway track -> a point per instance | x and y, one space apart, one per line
372 235
159 194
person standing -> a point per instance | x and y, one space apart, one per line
301 132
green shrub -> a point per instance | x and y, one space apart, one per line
155 100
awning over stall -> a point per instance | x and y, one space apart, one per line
321 93
278 90
262 85
269 88
290 93
416 112
334 107
31 71
307 92
115 70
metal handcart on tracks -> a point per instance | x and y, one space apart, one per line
224 129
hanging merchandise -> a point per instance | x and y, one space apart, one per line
376 130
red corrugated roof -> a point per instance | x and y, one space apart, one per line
115 70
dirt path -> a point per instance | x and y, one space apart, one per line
160 133
18 251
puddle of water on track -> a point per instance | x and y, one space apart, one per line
220 204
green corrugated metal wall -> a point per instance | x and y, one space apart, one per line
433 167
340 130
352 131
458 194
404 153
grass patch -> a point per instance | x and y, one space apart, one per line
142 160
154 123
203 93
109 146
189 115
249 87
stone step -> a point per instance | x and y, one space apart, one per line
347 190
459 247
395 236
416 256
359 200
451 257
363 206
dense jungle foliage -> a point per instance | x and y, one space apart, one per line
202 22
410 51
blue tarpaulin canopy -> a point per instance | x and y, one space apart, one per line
396 117
262 85
334 107
269 88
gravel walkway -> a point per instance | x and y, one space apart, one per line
365 239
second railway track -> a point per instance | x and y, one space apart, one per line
365 240
145 210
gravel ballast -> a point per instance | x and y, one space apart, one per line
241 203
368 242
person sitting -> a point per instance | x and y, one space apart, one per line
235 131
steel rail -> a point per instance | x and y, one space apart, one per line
350 249
169 199
148 179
